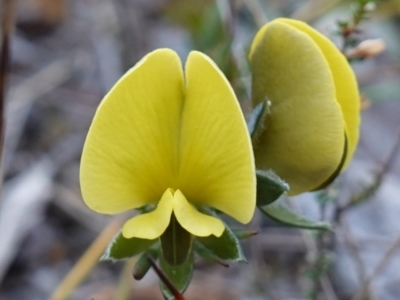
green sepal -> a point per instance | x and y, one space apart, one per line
176 243
201 250
122 248
257 123
269 187
179 275
226 247
281 213
242 234
143 265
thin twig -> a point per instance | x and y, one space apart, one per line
87 262
313 9
369 191
124 288
391 158
227 17
323 280
355 250
378 269
22 96
328 288
256 10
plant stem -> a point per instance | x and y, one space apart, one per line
165 279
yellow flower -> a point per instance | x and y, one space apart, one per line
312 129
177 141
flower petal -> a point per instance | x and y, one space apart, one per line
151 225
345 83
216 158
129 158
304 140
194 221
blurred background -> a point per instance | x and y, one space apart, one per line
66 54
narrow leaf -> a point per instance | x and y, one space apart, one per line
256 124
269 187
143 265
179 275
242 234
283 214
226 247
176 243
123 248
207 254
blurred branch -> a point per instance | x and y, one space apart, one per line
70 201
24 94
355 250
328 288
317 248
23 199
321 247
125 281
87 262
371 189
227 18
366 292
311 10
378 269
8 7
256 10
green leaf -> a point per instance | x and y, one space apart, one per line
176 243
242 234
269 187
226 247
283 214
143 265
211 31
179 275
207 254
123 248
257 123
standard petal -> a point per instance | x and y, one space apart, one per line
304 140
345 83
151 225
194 221
216 165
129 158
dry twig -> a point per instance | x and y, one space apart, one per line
355 250
256 10
378 269
87 262
370 190
24 94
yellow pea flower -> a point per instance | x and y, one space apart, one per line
313 126
178 141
